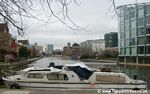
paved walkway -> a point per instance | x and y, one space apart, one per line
15 92
57 91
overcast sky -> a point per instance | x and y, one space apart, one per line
96 15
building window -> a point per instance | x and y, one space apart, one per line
35 75
126 16
127 26
140 12
127 33
133 23
147 20
141 31
121 35
132 14
133 51
133 32
121 43
121 27
140 21
128 51
121 20
121 12
132 41
148 30
127 42
148 39
122 51
147 9
140 40
147 49
141 50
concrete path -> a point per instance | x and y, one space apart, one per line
57 91
15 92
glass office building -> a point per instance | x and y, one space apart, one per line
134 33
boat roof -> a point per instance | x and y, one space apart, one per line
52 69
82 65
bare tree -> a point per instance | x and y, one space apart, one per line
13 12
113 6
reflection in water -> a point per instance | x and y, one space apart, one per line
143 73
45 62
59 61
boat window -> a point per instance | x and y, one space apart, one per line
18 78
110 78
35 75
57 77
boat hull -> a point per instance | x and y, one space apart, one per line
77 85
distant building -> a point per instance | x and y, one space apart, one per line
5 37
38 48
92 46
23 42
98 45
58 52
14 46
111 39
67 51
86 47
69 44
75 50
50 48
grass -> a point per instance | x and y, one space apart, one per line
2 63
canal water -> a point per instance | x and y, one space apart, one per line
142 73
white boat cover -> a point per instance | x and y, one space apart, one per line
37 68
82 65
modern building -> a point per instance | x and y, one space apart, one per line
111 40
98 45
86 47
134 33
92 46
50 48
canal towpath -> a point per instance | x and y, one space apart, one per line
20 63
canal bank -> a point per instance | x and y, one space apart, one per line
95 60
134 64
115 61
18 64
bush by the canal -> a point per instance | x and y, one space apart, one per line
108 54
23 52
